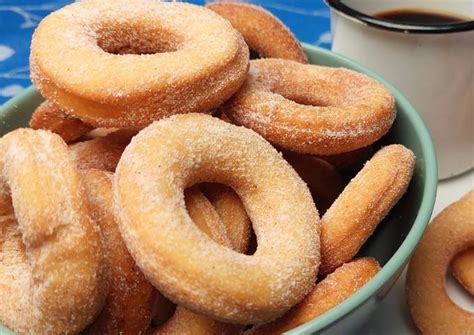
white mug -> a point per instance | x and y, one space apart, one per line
432 65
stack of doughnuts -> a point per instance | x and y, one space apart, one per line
182 183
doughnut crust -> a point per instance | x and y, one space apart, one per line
375 190
51 267
262 31
312 109
451 232
126 63
49 116
186 266
328 293
463 269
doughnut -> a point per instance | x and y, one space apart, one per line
262 31
463 269
323 180
365 201
52 278
451 232
129 303
328 293
232 212
186 266
49 116
102 153
312 109
349 163
208 220
165 58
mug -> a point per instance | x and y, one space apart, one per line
431 64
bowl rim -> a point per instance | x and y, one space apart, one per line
401 256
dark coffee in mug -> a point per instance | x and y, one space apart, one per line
418 16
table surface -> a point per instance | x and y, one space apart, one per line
309 20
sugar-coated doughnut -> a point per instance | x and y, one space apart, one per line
463 269
262 31
430 306
129 303
126 63
312 109
188 267
232 213
375 190
323 180
49 116
51 273
102 153
331 291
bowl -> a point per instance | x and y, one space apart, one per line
395 238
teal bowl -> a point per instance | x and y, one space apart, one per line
395 238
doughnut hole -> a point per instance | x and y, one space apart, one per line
120 38
457 293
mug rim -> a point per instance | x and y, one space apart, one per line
359 17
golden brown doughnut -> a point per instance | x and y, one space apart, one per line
129 303
102 153
232 212
51 267
262 31
312 109
365 201
186 266
328 293
323 180
126 63
463 269
430 306
49 116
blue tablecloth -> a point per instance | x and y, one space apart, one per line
308 19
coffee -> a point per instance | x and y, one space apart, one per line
419 16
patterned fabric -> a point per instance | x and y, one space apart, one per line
308 19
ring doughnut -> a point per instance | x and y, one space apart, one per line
52 277
328 293
262 31
184 321
232 212
186 266
432 310
324 182
312 109
375 190
463 269
129 303
165 58
101 153
49 116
